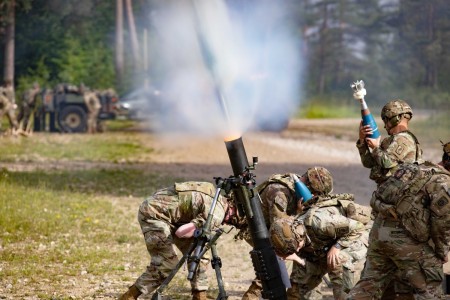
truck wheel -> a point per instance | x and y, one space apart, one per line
72 119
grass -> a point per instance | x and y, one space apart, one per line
61 227
108 147
114 182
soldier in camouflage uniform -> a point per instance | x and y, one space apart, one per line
28 105
413 212
93 105
279 200
321 240
401 146
169 218
8 105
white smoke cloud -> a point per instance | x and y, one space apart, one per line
252 60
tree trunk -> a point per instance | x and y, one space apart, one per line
8 72
133 33
322 45
119 51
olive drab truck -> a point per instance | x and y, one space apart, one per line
63 110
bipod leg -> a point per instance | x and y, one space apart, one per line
216 263
158 293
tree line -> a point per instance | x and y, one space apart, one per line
399 47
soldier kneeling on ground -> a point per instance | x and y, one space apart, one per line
279 200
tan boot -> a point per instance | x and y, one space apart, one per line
198 295
132 294
254 292
293 292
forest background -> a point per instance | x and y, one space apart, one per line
398 47
68 201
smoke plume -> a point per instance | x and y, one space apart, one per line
224 69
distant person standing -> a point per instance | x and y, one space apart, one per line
8 105
28 105
93 106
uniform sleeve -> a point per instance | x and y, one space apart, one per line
340 228
364 153
279 206
200 208
439 192
277 201
402 148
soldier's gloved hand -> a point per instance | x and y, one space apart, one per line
360 94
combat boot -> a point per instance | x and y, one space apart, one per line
293 292
132 294
253 292
198 295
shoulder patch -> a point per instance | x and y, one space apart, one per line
400 148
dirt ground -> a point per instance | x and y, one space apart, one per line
302 145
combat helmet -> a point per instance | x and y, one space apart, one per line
286 234
395 108
319 180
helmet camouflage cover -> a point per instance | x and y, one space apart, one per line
394 108
320 180
286 234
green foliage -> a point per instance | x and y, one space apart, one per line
39 74
320 108
400 48
73 44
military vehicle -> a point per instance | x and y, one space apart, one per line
63 110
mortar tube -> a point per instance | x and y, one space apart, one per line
264 259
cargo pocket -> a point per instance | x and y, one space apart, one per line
433 272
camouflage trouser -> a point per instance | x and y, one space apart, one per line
307 278
92 121
7 108
24 115
392 251
160 242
